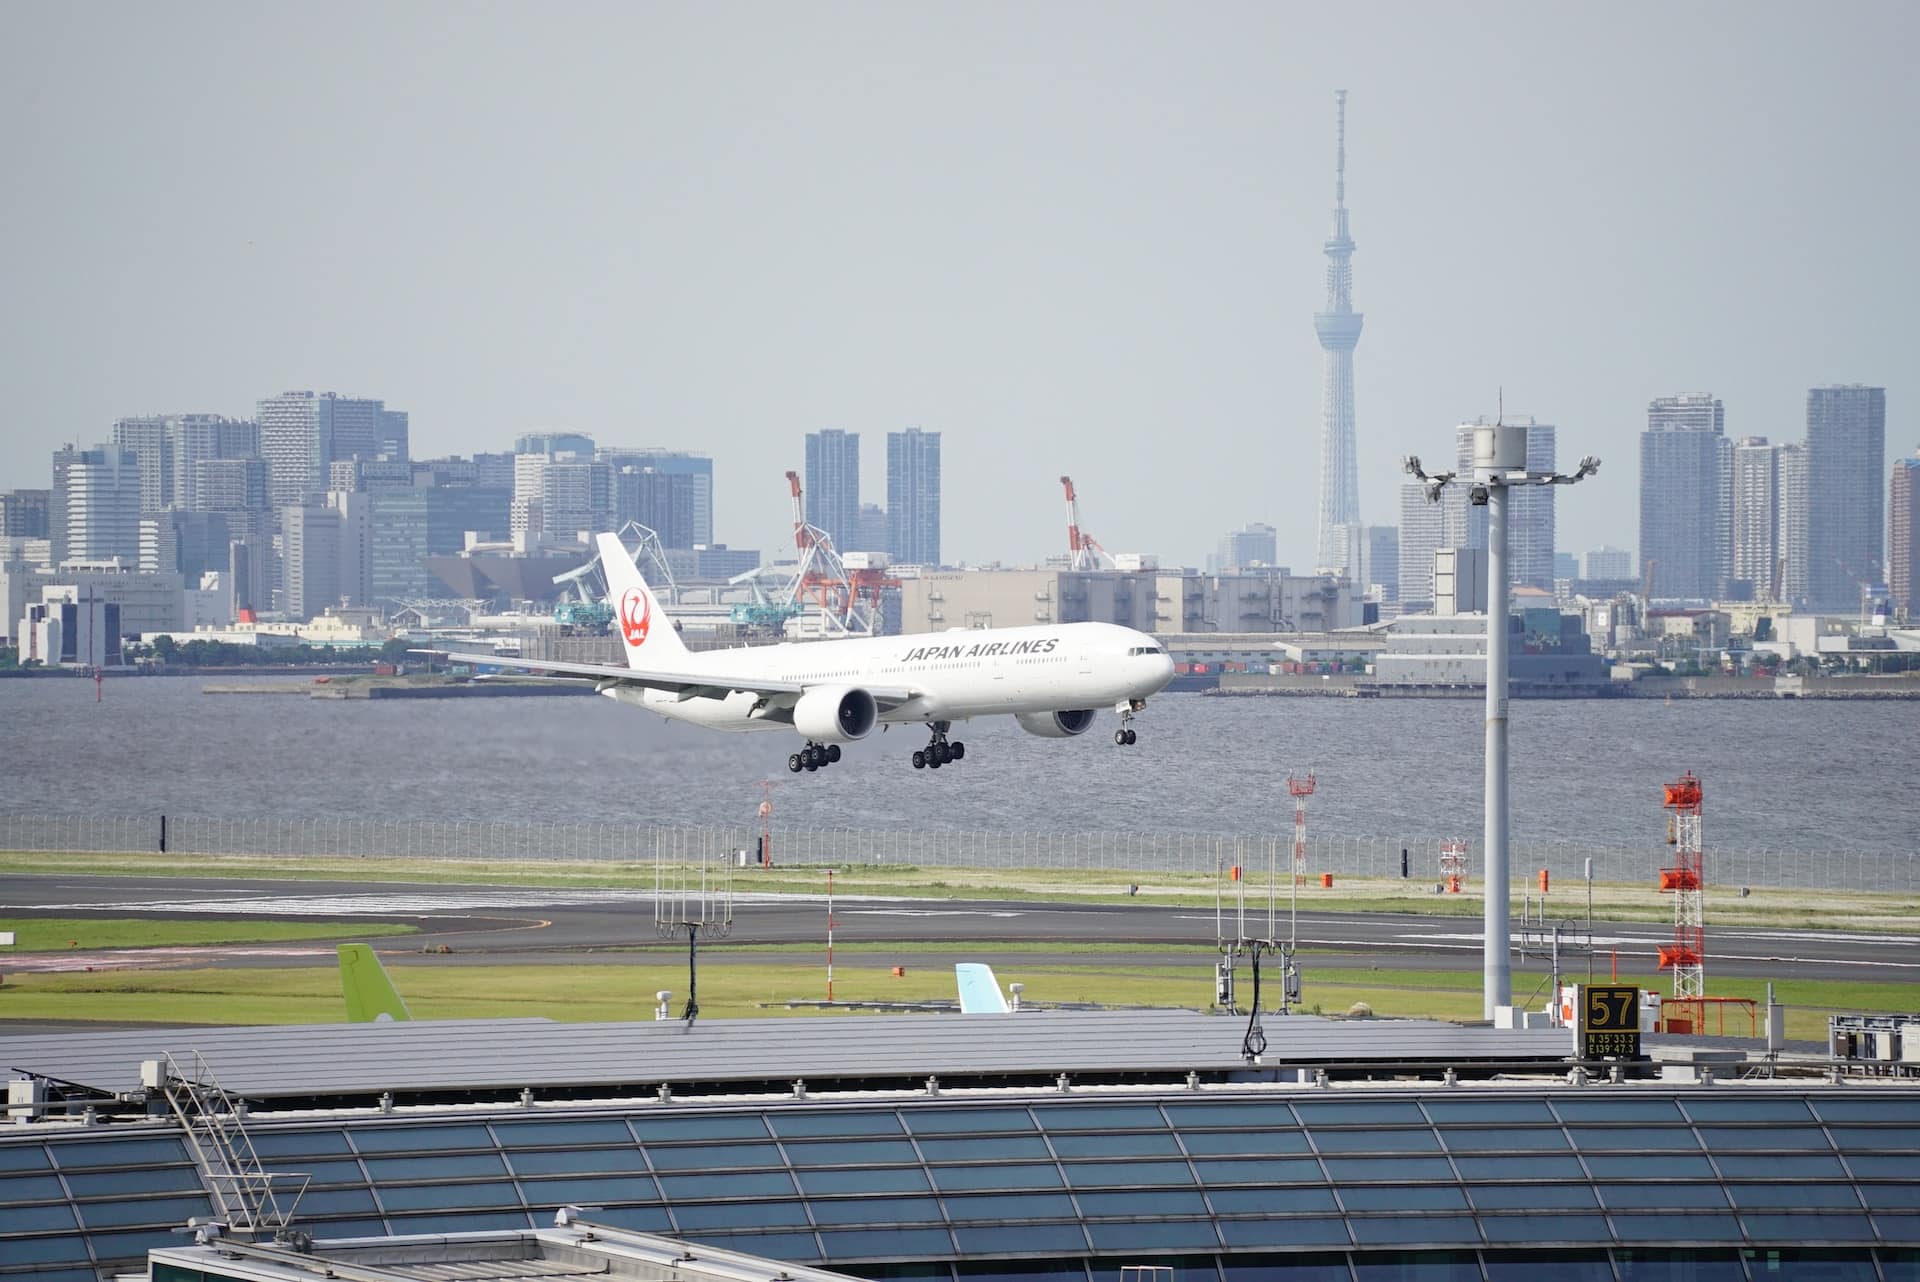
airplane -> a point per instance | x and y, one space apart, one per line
1051 679
370 994
979 991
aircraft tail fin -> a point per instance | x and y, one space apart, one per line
645 627
371 996
979 991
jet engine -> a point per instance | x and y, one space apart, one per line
1056 725
835 714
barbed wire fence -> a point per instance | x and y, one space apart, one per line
1192 853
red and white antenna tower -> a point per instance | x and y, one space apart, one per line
1686 879
1301 786
1083 550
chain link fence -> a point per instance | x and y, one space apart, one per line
926 848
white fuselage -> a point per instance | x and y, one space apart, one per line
956 675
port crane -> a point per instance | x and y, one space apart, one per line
1083 550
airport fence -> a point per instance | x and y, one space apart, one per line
1143 852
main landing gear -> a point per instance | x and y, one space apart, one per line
1125 736
939 752
813 756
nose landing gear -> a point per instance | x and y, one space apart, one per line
1125 736
939 752
813 756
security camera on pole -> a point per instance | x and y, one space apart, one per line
1499 464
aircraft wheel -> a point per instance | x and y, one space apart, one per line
919 761
1120 738
959 751
833 752
812 766
1132 737
794 763
933 761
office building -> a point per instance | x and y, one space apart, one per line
1610 563
1903 535
1256 545
1530 509
1790 526
551 442
833 483
697 473
23 513
1755 532
913 497
872 530
1380 561
94 509
1846 504
406 527
301 433
310 559
664 502
393 442
1686 480
146 440
1566 565
1338 327
193 439
1422 528
70 628
190 544
358 475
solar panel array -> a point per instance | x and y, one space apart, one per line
1640 1183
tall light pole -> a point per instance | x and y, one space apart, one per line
1499 464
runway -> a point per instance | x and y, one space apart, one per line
482 924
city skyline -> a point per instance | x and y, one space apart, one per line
1080 328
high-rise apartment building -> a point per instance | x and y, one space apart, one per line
310 559
833 484
1846 506
1338 327
147 439
1610 563
407 526
871 532
301 433
913 497
1422 529
93 512
393 441
1790 525
1686 480
1258 544
1903 535
196 438
23 515
1380 561
1755 532
1531 509
661 501
696 471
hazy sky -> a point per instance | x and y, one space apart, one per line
1072 237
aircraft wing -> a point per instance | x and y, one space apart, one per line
688 685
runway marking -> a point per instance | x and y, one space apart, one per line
428 903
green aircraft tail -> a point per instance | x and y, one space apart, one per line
371 996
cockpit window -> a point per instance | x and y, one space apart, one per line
1146 649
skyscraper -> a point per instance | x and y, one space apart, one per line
833 484
147 439
1610 563
1756 514
196 438
1422 526
696 471
1903 534
94 511
1790 529
301 433
1686 479
1339 329
23 515
913 496
1258 544
1380 547
1846 507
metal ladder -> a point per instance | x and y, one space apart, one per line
216 1133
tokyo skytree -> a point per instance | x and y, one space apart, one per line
1339 329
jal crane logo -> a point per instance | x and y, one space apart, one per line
636 616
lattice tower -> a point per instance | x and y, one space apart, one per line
1301 787
1685 879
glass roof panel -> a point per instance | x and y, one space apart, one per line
857 1211
37 1219
1872 1107
152 1210
1617 1108
1587 1139
332 1202
1315 1113
452 1166
589 1190
1531 1197
1496 1138
409 1197
167 1179
31 1188
884 1244
739 1184
1718 1138
1657 1229
1001 1147
153 1151
796 1248
798 1124
1272 1201
1811 1226
959 1178
1877 1137
641 1219
1403 1197
575 1161
1880 1166
23 1157
1145 1144
1244 1141
1495 1112
994 1208
1894 1197
1398 1141
1748 1108
374 1138
713 1157
1066 1239
1303 1231
1402 1229
850 1152
1526 1228
1793 1194
1237 1115
693 1217
276 1143
1141 1205
1107 1174
586 1130
1656 1197
47 1250
1344 1170
1664 1166
1099 1117
1780 1166
1157 1235
966 1121
1277 1170
1904 1229
710 1126
1527 1166
461 1222
890 1179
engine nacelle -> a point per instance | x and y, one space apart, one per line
835 714
1056 725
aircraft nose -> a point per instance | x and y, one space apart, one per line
1165 665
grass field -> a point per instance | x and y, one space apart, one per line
1612 901
438 988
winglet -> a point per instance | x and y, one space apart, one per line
979 991
637 613
371 996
